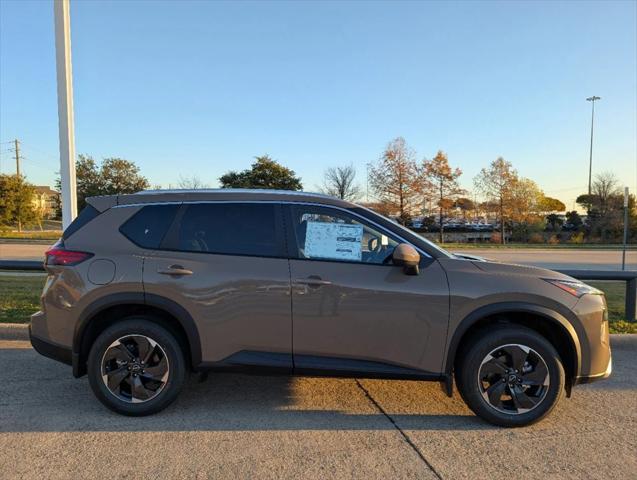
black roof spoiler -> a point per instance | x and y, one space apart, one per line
102 202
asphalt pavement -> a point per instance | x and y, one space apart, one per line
237 426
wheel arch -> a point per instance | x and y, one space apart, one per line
551 324
97 316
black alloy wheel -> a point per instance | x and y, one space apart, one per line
513 379
135 368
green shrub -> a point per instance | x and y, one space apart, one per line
577 238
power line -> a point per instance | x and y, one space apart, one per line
50 155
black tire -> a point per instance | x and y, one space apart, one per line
520 399
160 382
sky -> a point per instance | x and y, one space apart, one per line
200 87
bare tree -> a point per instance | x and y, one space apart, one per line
604 206
340 182
192 183
442 181
395 178
605 187
497 184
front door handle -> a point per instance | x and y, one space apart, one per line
175 270
313 281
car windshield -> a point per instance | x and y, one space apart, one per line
411 235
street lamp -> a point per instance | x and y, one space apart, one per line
590 165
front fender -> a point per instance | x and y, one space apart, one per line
503 308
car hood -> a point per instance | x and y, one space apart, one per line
491 266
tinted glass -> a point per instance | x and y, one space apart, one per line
329 234
86 215
148 226
231 229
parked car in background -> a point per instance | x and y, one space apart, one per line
144 288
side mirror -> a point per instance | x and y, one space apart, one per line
406 256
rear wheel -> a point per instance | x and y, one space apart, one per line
510 376
136 367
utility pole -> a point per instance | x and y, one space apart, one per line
592 99
17 157
61 9
18 178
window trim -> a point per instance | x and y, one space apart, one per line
285 203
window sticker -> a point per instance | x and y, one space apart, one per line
338 241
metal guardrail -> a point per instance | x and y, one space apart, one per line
630 277
22 265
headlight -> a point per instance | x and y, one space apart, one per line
574 287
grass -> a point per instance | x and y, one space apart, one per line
615 298
20 297
35 235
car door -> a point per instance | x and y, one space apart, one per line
225 264
353 310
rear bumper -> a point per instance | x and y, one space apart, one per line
50 349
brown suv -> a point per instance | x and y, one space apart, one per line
143 288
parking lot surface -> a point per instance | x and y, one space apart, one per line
236 426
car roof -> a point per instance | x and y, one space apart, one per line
104 202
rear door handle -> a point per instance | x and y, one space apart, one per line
313 281
175 270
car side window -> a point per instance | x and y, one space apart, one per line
328 234
231 229
147 227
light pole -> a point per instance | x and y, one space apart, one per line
625 228
590 165
61 9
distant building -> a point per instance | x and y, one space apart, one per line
45 201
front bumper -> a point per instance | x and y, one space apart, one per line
599 376
593 335
51 349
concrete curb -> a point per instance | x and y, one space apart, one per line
14 331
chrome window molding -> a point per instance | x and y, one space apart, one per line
285 202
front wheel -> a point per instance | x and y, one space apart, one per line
136 367
510 376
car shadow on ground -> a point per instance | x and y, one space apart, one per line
37 394
46 398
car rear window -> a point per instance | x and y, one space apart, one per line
232 229
86 215
149 225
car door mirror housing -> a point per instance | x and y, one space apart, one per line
407 257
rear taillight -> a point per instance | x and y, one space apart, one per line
57 255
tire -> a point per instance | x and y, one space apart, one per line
487 379
141 361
